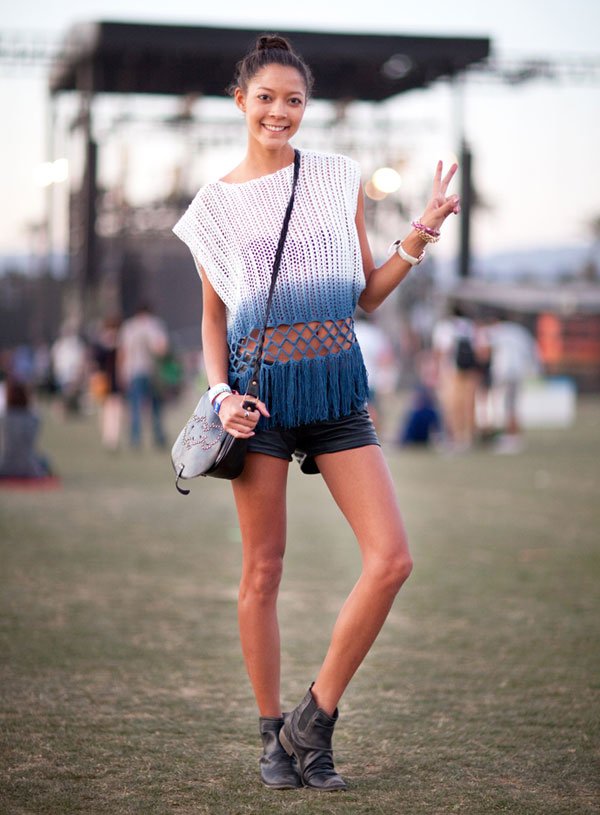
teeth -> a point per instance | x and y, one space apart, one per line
275 128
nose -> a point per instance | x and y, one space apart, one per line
278 109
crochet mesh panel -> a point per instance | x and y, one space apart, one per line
313 368
295 342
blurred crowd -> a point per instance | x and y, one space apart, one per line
125 371
468 375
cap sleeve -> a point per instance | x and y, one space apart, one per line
351 174
201 229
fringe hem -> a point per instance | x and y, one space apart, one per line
304 391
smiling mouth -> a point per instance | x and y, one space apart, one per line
275 128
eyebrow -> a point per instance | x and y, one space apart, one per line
263 88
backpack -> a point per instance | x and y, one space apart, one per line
464 355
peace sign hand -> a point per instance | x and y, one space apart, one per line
440 205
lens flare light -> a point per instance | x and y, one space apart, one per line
386 180
51 172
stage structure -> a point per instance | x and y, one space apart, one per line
130 58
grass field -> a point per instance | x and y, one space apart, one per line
123 687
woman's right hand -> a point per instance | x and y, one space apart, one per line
239 421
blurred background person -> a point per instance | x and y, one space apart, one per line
19 430
454 345
143 340
69 368
422 420
105 385
514 358
422 423
380 362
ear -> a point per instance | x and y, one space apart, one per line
240 99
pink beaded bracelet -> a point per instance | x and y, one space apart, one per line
428 234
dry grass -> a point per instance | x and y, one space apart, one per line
123 685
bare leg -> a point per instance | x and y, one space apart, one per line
361 485
112 410
260 499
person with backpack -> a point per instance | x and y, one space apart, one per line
455 346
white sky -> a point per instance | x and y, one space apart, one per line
534 146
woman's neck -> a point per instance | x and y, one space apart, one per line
259 162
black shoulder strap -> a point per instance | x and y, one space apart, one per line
252 389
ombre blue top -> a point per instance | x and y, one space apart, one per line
312 368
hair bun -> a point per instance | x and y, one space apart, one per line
267 41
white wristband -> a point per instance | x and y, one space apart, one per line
397 247
221 387
219 401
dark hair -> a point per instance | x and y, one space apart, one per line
270 49
17 395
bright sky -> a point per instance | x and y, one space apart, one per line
535 146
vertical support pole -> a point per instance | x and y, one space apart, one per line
83 214
465 162
464 267
50 189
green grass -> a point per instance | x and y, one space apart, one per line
123 687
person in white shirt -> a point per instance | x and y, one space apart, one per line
142 340
68 355
514 357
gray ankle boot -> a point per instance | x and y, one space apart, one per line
307 734
277 769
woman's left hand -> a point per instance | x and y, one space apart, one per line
440 205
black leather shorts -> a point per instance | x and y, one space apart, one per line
310 440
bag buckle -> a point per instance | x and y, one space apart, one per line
251 395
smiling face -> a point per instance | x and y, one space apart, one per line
274 104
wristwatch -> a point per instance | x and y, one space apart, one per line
397 247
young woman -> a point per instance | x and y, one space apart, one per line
313 385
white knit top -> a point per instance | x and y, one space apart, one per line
232 231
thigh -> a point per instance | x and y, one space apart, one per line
361 485
260 498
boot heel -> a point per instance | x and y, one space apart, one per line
285 743
277 769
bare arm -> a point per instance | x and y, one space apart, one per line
214 333
382 280
235 419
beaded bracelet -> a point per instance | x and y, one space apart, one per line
426 233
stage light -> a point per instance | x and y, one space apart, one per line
51 172
386 179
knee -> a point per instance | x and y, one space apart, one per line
392 572
398 570
261 579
